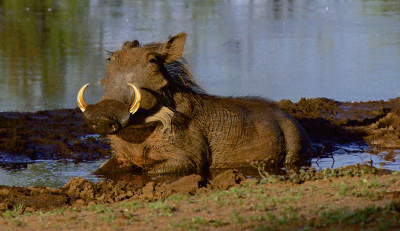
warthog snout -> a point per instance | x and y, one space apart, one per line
108 116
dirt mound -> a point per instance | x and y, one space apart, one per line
80 192
327 121
385 132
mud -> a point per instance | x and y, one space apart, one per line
62 134
56 134
327 121
80 192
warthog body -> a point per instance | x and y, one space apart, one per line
180 128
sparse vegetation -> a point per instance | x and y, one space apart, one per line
357 197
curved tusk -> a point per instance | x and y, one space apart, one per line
81 103
138 97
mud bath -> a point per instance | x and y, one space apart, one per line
62 135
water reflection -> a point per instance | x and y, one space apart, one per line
56 173
347 50
49 173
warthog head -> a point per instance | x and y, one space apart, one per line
135 80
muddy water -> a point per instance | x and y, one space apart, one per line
48 173
344 50
54 174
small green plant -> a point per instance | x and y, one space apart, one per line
109 217
237 218
161 208
131 206
262 206
218 223
18 209
343 190
199 220
16 222
8 214
376 184
176 197
396 173
313 187
101 208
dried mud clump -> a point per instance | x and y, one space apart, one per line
227 180
322 119
327 121
188 185
385 132
80 192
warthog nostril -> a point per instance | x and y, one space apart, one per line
113 127
105 125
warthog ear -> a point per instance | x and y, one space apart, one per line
173 48
128 45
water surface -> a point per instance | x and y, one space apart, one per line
56 173
345 50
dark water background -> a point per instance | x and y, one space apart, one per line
347 50
344 50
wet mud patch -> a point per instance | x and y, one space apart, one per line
44 135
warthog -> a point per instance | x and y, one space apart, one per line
160 120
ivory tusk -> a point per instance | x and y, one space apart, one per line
138 97
81 102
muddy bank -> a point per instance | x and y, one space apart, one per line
350 202
327 121
79 192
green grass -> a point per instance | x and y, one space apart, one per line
161 208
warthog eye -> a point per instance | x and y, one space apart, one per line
153 60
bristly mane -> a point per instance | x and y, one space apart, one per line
179 75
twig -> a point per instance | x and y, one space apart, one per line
322 151
319 157
333 159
